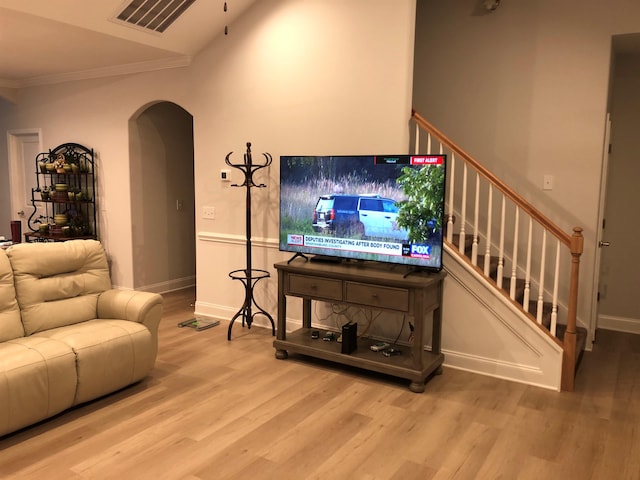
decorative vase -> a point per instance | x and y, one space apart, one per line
60 219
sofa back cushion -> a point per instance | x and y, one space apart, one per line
58 284
10 324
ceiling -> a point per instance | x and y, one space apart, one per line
49 41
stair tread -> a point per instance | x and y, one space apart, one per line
468 243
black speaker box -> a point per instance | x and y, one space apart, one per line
349 337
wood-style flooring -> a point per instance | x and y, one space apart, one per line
213 409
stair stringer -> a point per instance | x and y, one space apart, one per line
484 332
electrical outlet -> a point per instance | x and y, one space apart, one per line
209 213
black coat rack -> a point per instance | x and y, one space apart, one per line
249 276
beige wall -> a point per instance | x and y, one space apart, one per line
96 113
312 77
524 90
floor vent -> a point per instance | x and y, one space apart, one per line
155 15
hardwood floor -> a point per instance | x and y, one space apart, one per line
214 409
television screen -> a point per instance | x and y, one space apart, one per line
387 208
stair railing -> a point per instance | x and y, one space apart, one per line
490 240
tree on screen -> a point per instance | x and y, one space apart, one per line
422 211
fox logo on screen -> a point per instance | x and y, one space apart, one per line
420 251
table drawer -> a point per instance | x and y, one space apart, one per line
376 296
315 287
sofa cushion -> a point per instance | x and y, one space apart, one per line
110 354
37 380
58 284
10 324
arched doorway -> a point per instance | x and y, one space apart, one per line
162 198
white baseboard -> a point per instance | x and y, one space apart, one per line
170 285
619 324
497 369
225 314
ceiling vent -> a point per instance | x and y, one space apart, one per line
154 15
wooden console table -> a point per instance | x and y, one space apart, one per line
368 285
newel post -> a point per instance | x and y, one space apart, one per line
569 358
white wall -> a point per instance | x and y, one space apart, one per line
312 77
524 90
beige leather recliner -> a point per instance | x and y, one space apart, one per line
67 337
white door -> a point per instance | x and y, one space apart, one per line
600 235
23 146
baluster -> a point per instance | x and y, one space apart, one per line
527 275
487 250
463 210
541 283
417 144
501 247
514 261
452 172
554 304
428 143
474 247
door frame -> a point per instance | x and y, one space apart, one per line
16 139
600 228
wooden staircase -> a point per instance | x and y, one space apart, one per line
505 289
511 245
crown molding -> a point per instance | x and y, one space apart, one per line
110 71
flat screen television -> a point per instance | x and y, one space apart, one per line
385 208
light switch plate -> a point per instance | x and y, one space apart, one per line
209 212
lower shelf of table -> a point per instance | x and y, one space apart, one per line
403 365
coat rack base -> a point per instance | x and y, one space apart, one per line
249 279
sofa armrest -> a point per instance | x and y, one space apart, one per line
141 307
134 306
